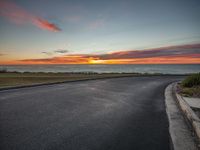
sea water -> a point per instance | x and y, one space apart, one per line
129 68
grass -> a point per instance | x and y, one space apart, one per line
190 87
13 79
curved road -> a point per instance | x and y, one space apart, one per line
107 114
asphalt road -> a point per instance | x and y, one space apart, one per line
110 114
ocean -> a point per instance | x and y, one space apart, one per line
129 68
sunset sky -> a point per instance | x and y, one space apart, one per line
99 31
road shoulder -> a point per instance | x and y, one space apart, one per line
180 134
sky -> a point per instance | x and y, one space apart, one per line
99 32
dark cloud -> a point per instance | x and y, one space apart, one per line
62 51
59 51
156 52
47 53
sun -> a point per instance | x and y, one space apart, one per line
95 61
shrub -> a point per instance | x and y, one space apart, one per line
191 81
3 70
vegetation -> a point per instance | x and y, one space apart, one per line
3 70
190 87
191 81
12 79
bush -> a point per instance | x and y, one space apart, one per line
3 70
191 81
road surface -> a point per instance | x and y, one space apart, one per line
107 114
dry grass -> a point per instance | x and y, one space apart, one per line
190 87
21 79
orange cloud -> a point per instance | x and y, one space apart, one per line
17 15
71 59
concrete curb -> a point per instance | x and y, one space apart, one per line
189 114
180 135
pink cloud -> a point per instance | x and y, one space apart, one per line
18 15
44 24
